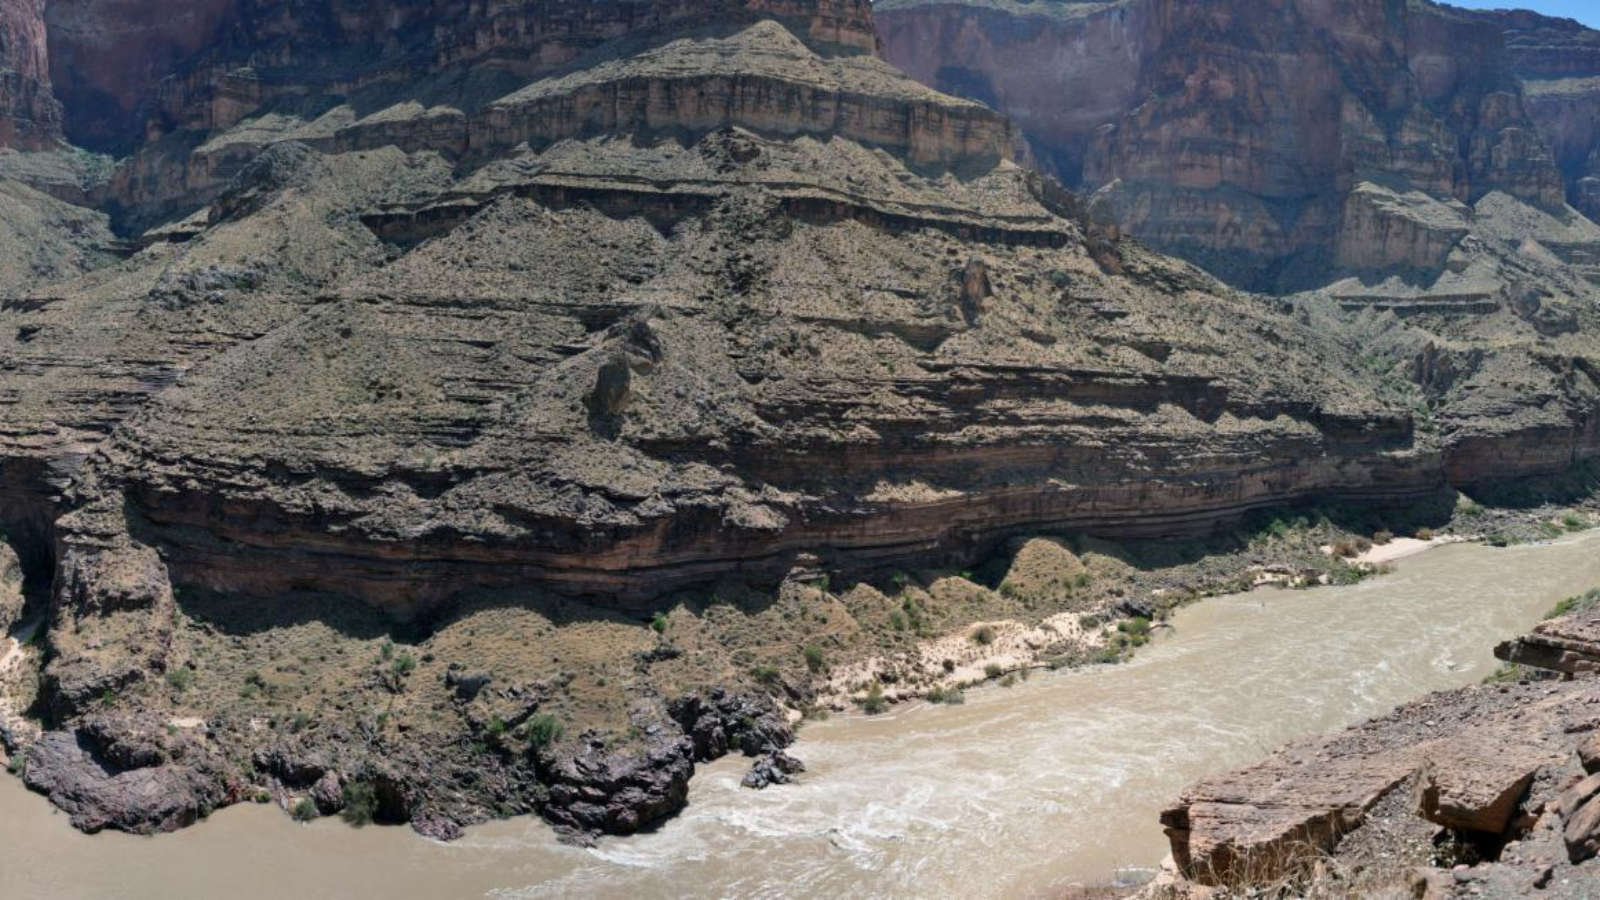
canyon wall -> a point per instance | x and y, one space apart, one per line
30 117
1239 134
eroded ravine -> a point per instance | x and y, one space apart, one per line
1053 782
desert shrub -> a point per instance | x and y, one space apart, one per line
404 664
181 678
360 803
304 810
1382 536
983 635
993 671
544 729
1424 534
874 703
815 660
947 696
658 622
766 674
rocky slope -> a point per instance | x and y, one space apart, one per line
422 429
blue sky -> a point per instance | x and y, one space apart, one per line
1585 11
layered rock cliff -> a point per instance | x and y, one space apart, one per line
1558 61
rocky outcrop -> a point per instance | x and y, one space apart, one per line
1568 644
1507 772
1485 763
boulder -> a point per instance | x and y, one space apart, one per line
773 768
1465 790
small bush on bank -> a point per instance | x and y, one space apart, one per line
1580 603
874 703
360 803
993 671
304 810
1424 534
1382 536
983 635
947 696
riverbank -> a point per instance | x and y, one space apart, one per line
1019 793
512 705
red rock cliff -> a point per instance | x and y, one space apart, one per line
30 119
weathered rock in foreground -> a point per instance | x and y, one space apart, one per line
1504 774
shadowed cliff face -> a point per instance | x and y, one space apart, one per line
1246 128
128 68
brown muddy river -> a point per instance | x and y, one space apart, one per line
1052 783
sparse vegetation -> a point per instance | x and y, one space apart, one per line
181 678
946 696
303 810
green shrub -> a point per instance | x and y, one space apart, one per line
658 622
18 765
1009 680
766 674
387 650
983 635
181 678
1424 534
815 661
1580 603
404 664
993 671
1573 522
360 803
947 696
1382 536
304 810
544 729
874 703
497 726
